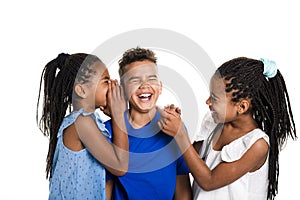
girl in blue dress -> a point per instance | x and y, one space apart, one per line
79 142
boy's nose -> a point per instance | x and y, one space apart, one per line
144 84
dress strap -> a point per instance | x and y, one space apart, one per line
209 141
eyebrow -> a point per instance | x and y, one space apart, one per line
151 76
106 77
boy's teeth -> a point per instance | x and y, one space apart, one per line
144 95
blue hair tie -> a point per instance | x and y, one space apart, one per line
270 68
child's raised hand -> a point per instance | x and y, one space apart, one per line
172 107
116 104
170 120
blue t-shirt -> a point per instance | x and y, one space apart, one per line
77 174
154 162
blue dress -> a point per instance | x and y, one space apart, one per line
77 175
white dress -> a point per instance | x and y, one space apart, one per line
251 186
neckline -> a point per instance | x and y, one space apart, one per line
148 130
233 141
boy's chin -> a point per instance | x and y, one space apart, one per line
145 109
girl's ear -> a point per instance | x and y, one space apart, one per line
243 106
79 90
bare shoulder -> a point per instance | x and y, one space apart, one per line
85 121
71 139
260 145
259 151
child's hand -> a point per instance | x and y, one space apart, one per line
172 107
116 104
170 121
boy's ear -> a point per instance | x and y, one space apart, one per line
243 106
160 87
79 90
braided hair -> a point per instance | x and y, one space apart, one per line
59 76
270 106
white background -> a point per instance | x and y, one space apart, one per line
34 32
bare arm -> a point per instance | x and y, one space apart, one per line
224 173
183 188
109 189
113 156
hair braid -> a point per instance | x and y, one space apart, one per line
270 103
59 76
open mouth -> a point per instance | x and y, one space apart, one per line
145 96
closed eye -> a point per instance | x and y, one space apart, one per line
153 78
134 80
213 98
105 80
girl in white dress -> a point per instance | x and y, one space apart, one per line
250 108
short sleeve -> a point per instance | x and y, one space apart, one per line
236 149
99 123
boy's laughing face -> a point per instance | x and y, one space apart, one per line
142 85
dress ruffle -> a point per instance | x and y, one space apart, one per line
237 148
73 116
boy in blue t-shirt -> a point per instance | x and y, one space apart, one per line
156 169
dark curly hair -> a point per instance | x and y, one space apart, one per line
133 55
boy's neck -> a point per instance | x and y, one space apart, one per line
139 119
